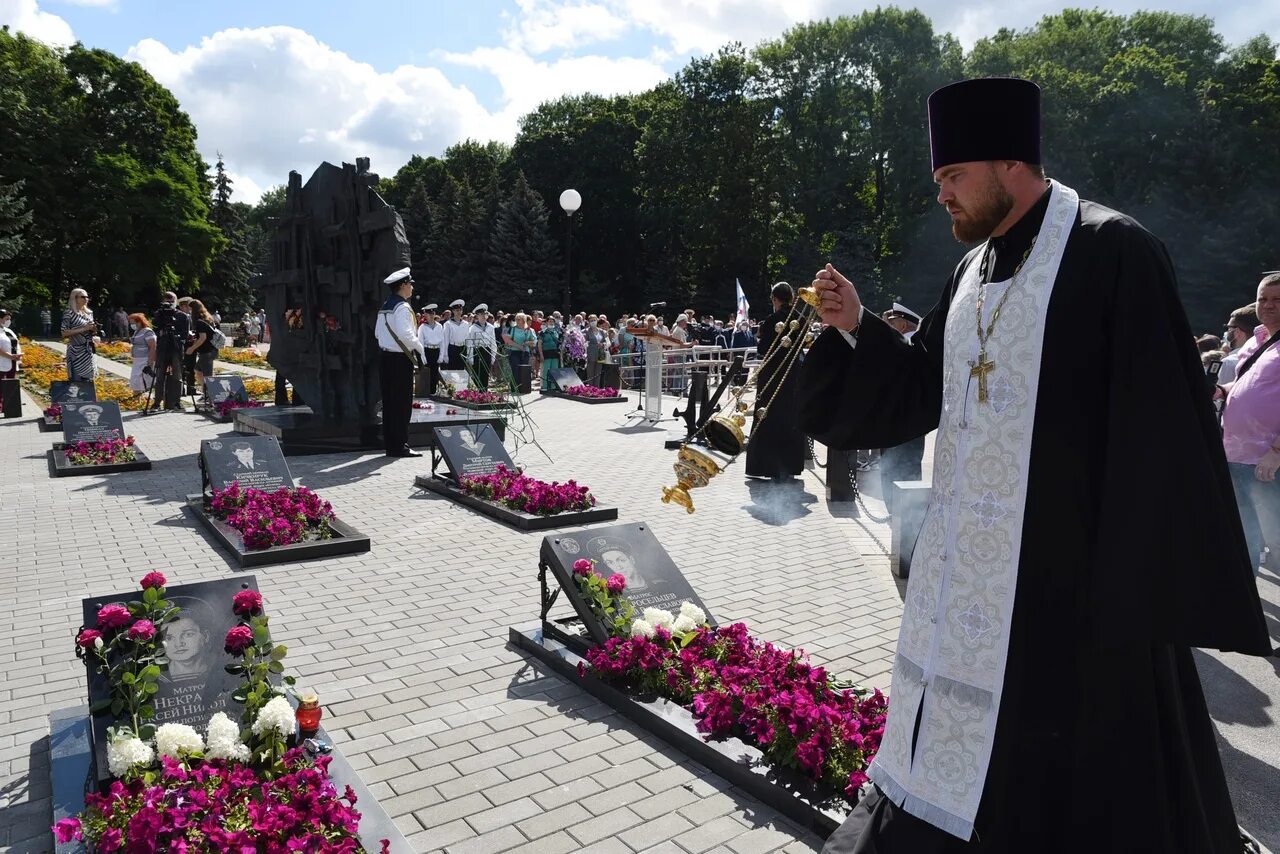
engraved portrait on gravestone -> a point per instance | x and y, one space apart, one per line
193 686
469 442
243 453
615 555
73 392
92 414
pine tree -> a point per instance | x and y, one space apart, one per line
453 250
522 255
227 285
14 219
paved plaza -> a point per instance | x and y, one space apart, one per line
467 743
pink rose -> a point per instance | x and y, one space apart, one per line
582 566
113 617
88 638
153 579
247 603
616 583
143 630
239 639
68 829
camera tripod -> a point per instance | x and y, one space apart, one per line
168 370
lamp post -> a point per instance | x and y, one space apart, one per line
570 201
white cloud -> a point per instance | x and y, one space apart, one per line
25 16
103 4
544 25
275 99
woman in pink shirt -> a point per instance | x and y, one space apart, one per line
1251 423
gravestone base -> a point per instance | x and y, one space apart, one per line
618 399
71 775
345 540
741 764
300 432
60 466
462 404
523 521
49 425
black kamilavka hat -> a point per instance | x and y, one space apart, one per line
990 118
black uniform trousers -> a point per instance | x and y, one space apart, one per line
397 399
480 362
456 352
433 369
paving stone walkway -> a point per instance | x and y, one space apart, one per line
468 744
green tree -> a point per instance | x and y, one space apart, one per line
227 285
14 220
110 169
525 265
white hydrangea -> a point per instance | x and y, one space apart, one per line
173 740
223 736
642 628
683 625
695 614
124 752
276 715
659 618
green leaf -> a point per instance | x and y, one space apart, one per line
148 732
279 652
100 705
234 669
276 667
128 678
151 672
150 688
150 596
147 713
289 680
117 706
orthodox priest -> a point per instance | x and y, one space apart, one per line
1082 535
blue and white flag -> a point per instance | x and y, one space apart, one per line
744 308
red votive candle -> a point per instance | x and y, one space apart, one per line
308 715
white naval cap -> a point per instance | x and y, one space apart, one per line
457 304
902 311
397 277
484 306
430 307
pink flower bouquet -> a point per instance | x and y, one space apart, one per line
281 518
54 412
102 452
595 392
526 494
471 395
224 408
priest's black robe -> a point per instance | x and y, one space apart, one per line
1132 552
776 446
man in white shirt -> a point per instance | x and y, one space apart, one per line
456 331
401 353
482 346
431 336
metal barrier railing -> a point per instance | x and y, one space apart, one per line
675 366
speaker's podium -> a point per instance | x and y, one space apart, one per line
656 345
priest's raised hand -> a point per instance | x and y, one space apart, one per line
840 306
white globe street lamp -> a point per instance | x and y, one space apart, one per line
570 201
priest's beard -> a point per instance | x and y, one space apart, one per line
979 216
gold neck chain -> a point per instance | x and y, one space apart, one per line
984 366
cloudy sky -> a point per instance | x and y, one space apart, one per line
283 84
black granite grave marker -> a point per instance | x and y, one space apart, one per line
195 684
565 378
472 450
91 422
458 379
632 550
64 391
230 387
255 461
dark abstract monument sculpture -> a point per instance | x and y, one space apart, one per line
335 243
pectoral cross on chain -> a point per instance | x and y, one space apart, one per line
980 369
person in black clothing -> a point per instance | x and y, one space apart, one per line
201 345
776 446
1072 555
